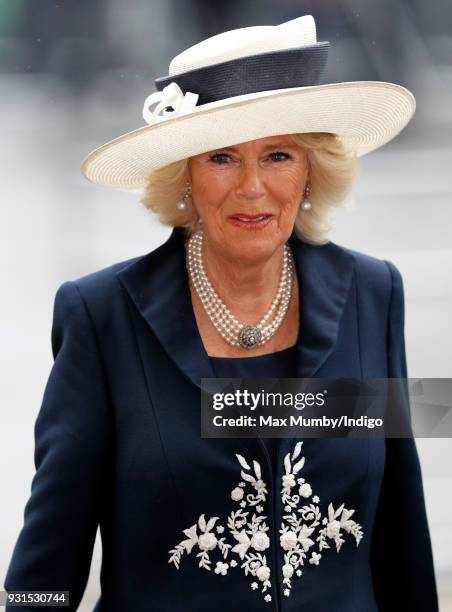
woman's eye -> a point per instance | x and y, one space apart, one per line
219 158
279 156
224 158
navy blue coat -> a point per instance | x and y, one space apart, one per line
117 444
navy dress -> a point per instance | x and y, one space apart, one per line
280 364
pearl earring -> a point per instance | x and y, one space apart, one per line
183 204
307 192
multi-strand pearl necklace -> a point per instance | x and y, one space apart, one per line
234 332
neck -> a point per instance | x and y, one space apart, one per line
246 287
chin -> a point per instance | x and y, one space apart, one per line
253 247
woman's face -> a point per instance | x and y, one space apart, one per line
264 177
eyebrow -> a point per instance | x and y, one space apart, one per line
273 145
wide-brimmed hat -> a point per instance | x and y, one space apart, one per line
246 84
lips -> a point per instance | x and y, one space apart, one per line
247 217
251 222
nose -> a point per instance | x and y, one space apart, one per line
250 184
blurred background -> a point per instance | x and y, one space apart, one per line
74 75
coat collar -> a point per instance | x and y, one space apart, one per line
158 285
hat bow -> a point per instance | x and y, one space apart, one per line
171 97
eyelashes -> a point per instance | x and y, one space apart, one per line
223 158
217 158
285 155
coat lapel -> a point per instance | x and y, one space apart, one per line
158 285
324 275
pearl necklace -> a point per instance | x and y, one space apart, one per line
234 332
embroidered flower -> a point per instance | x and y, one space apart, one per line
254 586
333 529
221 568
315 558
237 494
268 598
207 541
259 485
288 540
305 490
220 529
260 541
233 563
289 480
287 570
337 520
316 499
263 573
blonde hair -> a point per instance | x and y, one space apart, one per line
333 169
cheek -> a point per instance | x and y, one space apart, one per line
209 187
289 188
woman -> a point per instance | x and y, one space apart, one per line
245 155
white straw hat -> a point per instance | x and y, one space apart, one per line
245 84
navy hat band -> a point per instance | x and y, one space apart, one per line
296 67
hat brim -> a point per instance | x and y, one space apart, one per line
364 114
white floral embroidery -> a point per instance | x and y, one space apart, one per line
250 533
247 526
221 568
206 541
298 532
315 558
237 494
